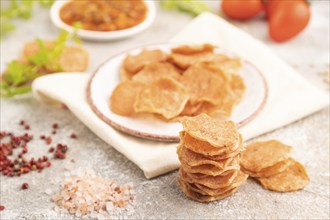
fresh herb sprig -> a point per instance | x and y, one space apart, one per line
192 7
19 75
17 9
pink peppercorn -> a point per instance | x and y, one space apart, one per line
19 165
25 150
25 186
55 126
49 140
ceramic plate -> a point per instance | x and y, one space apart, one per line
103 35
107 77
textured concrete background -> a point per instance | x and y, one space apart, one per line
160 198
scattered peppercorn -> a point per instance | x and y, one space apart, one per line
25 150
25 186
40 166
49 140
27 127
62 147
3 134
12 165
48 164
55 126
73 136
59 155
26 170
53 132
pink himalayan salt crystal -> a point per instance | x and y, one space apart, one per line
94 196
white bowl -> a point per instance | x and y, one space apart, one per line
103 35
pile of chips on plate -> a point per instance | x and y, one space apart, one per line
188 81
270 163
210 153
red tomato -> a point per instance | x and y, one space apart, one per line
287 18
241 9
271 5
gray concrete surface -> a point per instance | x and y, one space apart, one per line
160 198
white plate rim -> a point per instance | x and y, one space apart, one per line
103 35
165 138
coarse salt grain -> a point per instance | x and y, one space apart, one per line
48 191
94 197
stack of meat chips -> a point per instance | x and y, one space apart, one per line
209 153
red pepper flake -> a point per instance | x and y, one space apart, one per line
25 186
51 150
54 132
42 137
49 140
2 208
27 127
22 122
73 136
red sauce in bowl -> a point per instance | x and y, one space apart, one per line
104 15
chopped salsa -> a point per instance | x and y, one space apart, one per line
104 15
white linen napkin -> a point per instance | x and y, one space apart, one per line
290 96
